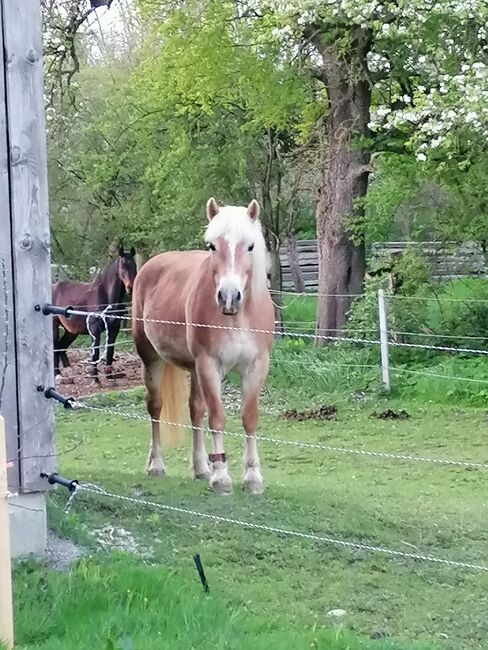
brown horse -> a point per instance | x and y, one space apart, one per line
108 290
214 301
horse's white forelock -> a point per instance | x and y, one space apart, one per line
233 224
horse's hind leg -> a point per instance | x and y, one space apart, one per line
252 380
153 374
210 383
57 347
63 344
197 414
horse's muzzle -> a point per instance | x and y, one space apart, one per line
229 301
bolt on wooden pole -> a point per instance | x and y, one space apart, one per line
385 362
6 609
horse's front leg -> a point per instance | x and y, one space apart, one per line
197 414
252 380
210 384
112 331
95 354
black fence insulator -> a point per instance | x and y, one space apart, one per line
52 393
201 572
56 478
48 309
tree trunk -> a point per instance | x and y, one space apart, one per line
293 260
345 180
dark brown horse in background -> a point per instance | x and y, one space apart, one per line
107 291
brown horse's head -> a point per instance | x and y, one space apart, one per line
126 268
238 254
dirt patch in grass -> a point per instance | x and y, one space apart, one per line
76 381
390 414
324 412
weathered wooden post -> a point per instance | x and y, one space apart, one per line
25 334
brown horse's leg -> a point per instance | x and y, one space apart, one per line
197 414
251 381
63 343
153 374
210 383
56 346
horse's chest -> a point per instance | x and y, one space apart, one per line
236 349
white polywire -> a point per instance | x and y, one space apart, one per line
438 336
438 348
103 316
293 443
438 376
423 557
314 294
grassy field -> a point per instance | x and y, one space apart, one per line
272 591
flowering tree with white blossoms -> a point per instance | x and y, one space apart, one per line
398 74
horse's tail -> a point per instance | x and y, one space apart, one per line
174 393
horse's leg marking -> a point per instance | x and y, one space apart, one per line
251 381
210 383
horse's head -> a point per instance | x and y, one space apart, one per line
126 268
238 254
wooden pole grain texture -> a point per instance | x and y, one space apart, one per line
6 609
25 248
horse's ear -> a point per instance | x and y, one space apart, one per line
132 251
253 210
121 250
212 208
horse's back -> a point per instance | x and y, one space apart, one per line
70 292
166 274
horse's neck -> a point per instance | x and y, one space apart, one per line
111 285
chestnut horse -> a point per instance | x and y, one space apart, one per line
214 301
109 288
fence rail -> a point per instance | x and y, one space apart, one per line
445 261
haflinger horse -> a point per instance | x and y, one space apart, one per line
107 292
217 316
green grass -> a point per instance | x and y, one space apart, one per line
270 591
120 603
293 583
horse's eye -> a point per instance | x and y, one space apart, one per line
212 247
250 247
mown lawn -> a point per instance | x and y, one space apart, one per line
267 590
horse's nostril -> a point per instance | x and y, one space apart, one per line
220 297
238 296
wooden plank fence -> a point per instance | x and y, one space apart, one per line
446 261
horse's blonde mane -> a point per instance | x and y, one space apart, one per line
234 224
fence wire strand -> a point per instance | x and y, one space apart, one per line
292 443
323 539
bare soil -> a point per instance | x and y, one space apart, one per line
77 382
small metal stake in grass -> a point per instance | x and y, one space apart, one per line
201 572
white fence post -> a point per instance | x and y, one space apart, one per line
385 363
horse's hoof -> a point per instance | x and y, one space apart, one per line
202 476
156 472
221 485
253 486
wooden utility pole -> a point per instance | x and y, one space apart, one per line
26 357
6 613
